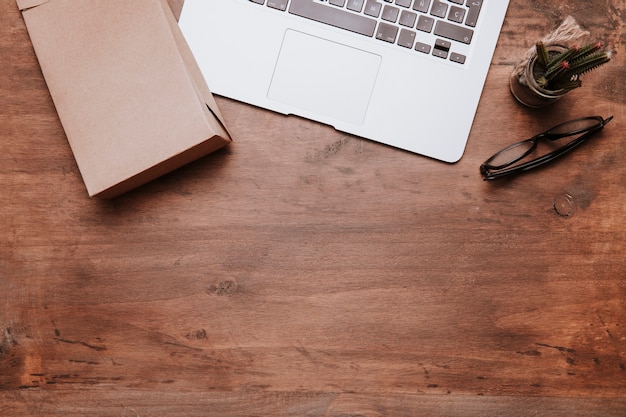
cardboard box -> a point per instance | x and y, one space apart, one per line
132 101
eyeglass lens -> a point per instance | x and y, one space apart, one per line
513 153
575 126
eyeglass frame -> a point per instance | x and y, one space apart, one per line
486 168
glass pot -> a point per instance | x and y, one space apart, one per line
524 86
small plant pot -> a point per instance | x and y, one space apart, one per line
524 86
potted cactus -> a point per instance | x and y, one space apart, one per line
554 70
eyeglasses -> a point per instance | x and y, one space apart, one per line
505 162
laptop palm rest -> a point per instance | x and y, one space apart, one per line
324 77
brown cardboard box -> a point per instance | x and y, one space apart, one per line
132 101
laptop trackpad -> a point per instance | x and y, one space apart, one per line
324 77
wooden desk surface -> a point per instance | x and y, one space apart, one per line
303 272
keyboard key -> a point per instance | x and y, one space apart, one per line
421 6
474 11
442 48
440 53
458 58
457 1
425 23
372 8
439 9
277 4
258 1
454 32
457 14
422 47
441 44
333 16
339 3
355 5
390 13
387 32
403 3
407 18
406 38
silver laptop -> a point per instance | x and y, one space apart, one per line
406 73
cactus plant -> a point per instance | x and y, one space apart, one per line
562 71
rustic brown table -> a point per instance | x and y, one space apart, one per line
304 272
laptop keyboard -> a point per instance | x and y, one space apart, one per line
398 22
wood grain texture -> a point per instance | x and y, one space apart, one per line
305 272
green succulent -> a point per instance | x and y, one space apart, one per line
562 71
